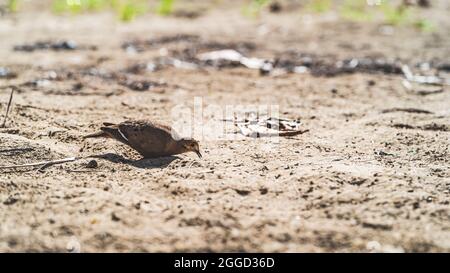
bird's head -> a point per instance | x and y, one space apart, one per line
191 145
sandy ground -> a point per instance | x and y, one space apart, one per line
362 178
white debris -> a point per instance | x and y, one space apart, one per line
300 69
252 63
226 54
232 55
183 65
422 79
256 126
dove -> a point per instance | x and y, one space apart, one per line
149 138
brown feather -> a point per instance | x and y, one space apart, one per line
151 139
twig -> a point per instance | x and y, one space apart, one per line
83 171
44 164
407 110
293 133
16 150
431 92
7 108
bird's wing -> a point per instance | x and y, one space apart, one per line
145 136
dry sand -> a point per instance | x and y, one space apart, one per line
354 182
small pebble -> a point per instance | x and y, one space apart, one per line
92 164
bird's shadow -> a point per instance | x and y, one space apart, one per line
143 163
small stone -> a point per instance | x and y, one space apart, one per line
275 7
92 164
10 201
114 217
373 246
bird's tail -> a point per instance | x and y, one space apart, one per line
96 135
105 131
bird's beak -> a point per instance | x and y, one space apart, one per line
198 153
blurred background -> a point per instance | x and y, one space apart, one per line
389 11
